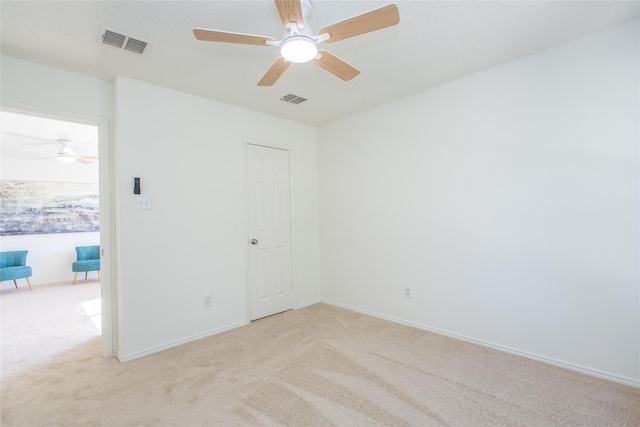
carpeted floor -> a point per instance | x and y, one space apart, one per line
318 366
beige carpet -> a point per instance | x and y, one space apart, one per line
318 366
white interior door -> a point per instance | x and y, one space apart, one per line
269 231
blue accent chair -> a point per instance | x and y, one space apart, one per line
88 260
13 265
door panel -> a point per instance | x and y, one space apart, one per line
270 271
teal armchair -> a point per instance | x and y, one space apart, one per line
88 260
13 265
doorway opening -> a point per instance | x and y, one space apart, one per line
51 178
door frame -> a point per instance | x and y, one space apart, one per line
107 228
278 146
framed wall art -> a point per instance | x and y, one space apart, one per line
34 207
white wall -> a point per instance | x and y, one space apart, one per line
29 85
188 153
45 87
507 201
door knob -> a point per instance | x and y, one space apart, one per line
254 241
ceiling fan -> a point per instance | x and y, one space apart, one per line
68 154
299 44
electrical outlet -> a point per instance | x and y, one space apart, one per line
206 301
407 292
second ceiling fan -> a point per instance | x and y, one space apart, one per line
299 44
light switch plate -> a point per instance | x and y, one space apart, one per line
143 202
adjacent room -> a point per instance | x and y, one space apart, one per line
432 221
50 186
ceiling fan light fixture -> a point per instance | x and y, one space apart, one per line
299 49
66 154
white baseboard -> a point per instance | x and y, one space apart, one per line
307 304
554 362
127 358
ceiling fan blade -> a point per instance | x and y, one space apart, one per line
335 65
82 160
290 11
227 37
274 72
376 19
87 157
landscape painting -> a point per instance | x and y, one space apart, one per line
33 207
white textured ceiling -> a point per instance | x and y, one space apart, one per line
435 42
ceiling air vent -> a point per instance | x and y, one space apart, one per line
293 99
113 39
122 41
